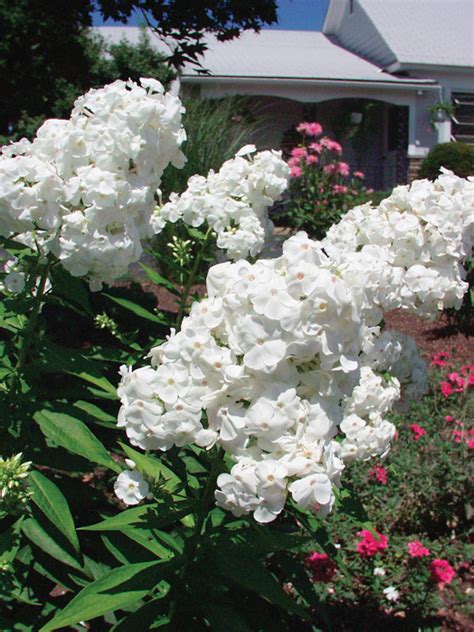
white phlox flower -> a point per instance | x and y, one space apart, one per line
84 188
234 202
285 365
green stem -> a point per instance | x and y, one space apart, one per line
191 279
194 541
30 327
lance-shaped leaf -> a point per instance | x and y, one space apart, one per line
50 500
118 589
75 436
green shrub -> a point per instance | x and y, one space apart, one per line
458 157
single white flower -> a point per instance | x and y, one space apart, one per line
391 593
131 487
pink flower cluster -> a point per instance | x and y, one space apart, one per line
458 381
442 572
321 566
461 433
310 129
378 474
371 543
440 359
417 431
341 168
416 549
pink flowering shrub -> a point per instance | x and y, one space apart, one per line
397 546
322 187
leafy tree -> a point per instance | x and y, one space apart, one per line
48 58
187 22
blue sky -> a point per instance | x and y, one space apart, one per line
297 15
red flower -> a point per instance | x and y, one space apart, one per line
417 431
439 359
442 572
321 566
371 543
378 474
416 549
447 389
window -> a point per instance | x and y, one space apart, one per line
462 128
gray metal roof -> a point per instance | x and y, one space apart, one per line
275 54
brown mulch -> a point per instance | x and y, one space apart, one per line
434 336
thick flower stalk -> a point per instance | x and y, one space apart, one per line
234 202
84 189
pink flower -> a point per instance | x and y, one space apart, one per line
321 566
439 359
417 431
446 388
457 436
294 162
310 129
442 572
330 169
378 474
470 439
296 172
466 369
339 188
358 174
316 147
416 549
449 418
311 159
370 190
371 543
342 168
299 152
330 145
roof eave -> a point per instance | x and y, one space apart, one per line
414 84
334 16
400 66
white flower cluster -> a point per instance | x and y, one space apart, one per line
84 188
282 366
410 249
234 201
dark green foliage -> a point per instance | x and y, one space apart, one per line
48 57
458 157
186 22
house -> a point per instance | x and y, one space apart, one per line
373 78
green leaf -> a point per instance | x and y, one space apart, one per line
100 381
138 310
142 619
35 532
249 572
97 413
116 590
157 279
121 520
153 516
152 467
71 288
75 436
50 500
